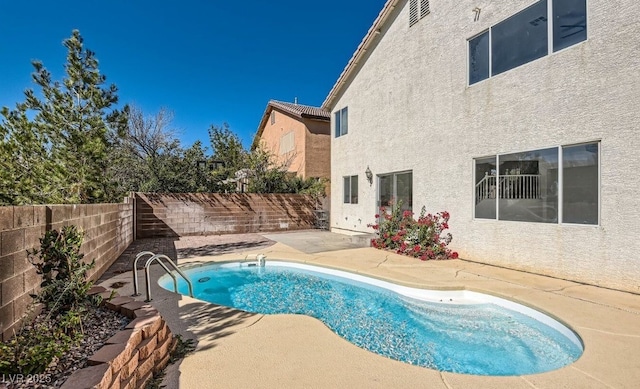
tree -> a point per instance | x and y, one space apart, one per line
27 173
263 171
61 155
149 157
227 148
143 148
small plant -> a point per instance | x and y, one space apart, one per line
64 275
31 350
398 231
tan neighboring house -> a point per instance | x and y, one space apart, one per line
298 136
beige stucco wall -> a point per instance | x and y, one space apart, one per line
311 154
317 155
410 109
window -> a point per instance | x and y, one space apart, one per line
287 142
479 58
273 117
524 37
569 23
554 185
528 186
520 39
394 187
341 122
351 190
580 184
417 10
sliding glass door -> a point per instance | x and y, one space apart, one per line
394 187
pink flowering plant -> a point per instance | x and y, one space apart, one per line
423 238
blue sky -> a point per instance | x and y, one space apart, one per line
209 62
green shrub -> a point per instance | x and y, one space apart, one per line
64 275
33 348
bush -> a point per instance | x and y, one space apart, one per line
64 274
63 292
33 348
398 231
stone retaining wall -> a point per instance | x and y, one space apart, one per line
131 357
108 231
182 214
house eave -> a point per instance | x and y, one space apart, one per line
358 55
274 105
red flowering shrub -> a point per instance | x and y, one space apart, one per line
423 238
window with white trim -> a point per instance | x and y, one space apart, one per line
273 117
341 122
553 185
526 36
350 189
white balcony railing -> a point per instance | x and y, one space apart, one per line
509 186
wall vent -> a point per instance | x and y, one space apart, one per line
418 10
424 8
413 12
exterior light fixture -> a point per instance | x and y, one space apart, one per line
369 175
476 12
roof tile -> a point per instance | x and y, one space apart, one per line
301 110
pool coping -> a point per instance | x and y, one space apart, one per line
295 351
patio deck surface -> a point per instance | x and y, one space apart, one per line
236 349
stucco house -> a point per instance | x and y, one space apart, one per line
298 136
520 118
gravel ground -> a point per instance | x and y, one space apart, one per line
99 325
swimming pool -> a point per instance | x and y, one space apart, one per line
455 331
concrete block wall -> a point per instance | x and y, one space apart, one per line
108 231
167 215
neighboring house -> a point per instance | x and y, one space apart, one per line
298 136
520 118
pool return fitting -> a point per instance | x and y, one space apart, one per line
157 258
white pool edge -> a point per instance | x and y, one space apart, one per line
429 295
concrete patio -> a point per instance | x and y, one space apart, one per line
236 349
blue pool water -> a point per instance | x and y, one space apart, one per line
470 337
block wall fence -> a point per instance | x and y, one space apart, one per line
108 231
174 215
110 228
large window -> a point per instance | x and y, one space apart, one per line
341 122
351 190
519 39
554 185
524 37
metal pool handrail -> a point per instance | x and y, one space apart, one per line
157 258
135 271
